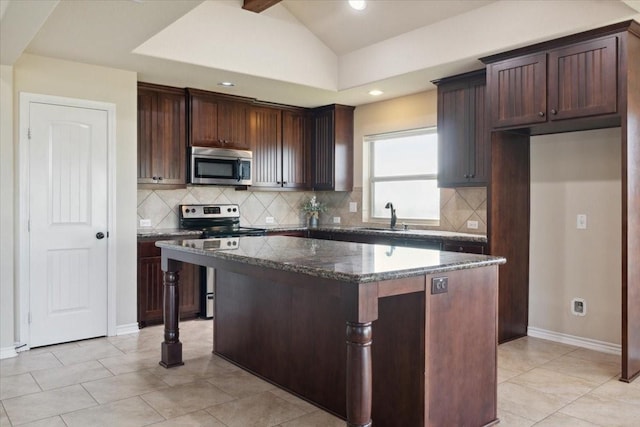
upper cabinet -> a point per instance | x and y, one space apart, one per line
463 135
280 142
296 149
332 155
217 121
570 82
161 136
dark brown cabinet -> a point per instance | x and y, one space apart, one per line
150 287
161 136
216 121
579 80
279 140
464 246
463 135
296 149
332 156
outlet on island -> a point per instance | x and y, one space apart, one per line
269 220
336 220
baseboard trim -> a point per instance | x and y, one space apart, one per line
601 346
8 352
131 328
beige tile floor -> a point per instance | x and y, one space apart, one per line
117 382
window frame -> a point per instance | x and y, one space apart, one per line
369 144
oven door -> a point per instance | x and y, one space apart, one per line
220 166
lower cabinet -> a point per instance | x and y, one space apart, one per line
467 247
150 288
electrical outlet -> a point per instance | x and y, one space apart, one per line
578 307
473 225
336 220
439 285
353 206
269 220
581 222
145 223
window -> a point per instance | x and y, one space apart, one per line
403 170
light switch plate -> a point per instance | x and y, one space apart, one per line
472 225
581 222
269 220
336 220
145 223
353 206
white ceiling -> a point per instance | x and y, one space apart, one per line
299 52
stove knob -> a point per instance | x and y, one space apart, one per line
235 209
228 243
235 243
193 210
228 209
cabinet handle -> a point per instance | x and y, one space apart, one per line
541 113
159 178
155 178
466 176
473 175
460 249
554 112
284 182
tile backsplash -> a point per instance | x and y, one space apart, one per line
457 206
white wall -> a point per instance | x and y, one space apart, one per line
49 76
7 338
576 173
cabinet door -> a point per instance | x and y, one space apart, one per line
480 142
203 122
150 292
518 91
147 128
169 160
161 137
332 154
323 149
582 79
265 136
232 124
453 135
296 150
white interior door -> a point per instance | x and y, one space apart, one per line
67 211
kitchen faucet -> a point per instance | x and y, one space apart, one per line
394 218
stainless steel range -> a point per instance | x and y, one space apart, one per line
221 223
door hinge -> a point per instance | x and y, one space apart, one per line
29 133
29 317
29 225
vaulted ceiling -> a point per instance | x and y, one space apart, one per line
299 52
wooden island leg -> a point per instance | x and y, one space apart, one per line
171 347
359 374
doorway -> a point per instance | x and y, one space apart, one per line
66 278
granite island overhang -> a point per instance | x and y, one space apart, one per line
283 303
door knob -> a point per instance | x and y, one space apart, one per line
99 235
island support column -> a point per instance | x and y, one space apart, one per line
359 374
361 306
171 347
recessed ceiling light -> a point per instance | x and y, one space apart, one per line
226 84
358 4
375 92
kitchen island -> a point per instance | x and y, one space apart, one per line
419 324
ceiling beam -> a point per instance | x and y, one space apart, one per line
258 6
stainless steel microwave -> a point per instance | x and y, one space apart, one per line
220 166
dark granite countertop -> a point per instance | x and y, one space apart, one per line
144 233
344 261
373 230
